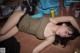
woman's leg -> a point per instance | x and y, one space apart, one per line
13 20
11 33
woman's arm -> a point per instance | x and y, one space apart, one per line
12 20
9 34
49 40
66 19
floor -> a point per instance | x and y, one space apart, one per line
29 42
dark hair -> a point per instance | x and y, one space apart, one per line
64 41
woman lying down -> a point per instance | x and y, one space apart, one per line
44 28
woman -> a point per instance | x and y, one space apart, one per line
43 28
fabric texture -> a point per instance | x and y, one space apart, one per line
34 26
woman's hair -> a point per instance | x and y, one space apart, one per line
64 41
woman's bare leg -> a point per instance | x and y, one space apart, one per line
11 33
12 21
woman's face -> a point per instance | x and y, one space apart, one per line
64 31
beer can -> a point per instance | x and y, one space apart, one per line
52 13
